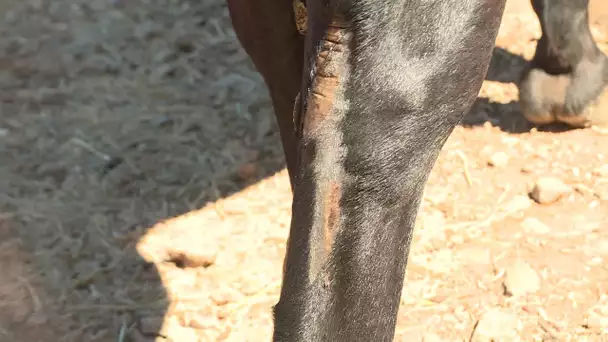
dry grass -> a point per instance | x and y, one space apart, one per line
115 115
133 135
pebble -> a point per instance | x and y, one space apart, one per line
602 171
527 169
457 239
496 326
510 140
534 225
548 190
475 256
499 160
199 320
518 203
596 322
247 171
151 325
173 327
224 296
521 279
486 150
136 336
193 258
250 286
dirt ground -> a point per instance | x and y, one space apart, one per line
143 194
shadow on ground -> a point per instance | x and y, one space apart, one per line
114 116
505 67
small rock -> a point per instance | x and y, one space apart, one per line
151 325
192 258
436 197
518 203
457 239
521 279
496 325
203 319
136 336
602 171
499 160
247 171
250 286
510 140
224 296
203 323
526 169
486 150
583 189
475 256
534 225
548 190
596 322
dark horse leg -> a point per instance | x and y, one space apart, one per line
567 78
384 84
267 32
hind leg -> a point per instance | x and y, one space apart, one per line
267 31
567 78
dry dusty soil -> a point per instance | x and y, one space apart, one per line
143 194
